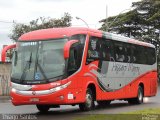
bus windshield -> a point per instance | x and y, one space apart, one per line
38 61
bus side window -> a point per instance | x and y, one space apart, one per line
93 50
151 59
133 53
140 55
119 52
107 50
128 54
144 55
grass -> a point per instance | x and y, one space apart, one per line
146 111
110 117
146 114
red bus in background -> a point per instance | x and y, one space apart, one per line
69 66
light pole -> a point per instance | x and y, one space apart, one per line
78 18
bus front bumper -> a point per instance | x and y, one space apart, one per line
60 97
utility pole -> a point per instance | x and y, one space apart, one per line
106 18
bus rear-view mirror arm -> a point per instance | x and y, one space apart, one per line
67 47
4 51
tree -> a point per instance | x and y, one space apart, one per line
40 23
142 23
126 24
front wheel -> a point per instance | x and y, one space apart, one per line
89 102
43 108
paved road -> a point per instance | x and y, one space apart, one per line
70 112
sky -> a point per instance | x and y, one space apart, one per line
91 11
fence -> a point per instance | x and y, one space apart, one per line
5 69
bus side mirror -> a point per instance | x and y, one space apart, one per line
67 47
4 51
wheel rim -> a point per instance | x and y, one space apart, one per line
140 96
88 100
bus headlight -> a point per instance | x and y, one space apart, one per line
13 90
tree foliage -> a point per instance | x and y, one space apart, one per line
40 23
143 22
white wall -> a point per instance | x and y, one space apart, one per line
5 70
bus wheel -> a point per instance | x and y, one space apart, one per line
89 102
43 108
139 98
104 103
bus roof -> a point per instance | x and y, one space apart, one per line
116 37
52 33
55 33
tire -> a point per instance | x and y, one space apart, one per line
139 98
43 108
89 102
104 103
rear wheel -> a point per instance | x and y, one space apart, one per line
104 103
139 98
89 102
43 108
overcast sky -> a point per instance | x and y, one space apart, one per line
23 11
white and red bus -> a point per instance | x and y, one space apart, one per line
69 66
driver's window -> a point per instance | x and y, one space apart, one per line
71 62
74 59
76 52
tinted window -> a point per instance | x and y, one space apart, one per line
139 54
100 49
119 52
130 53
143 55
93 49
110 50
151 56
107 50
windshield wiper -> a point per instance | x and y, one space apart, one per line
42 71
25 68
40 68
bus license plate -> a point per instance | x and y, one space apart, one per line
34 100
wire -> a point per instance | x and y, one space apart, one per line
5 21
